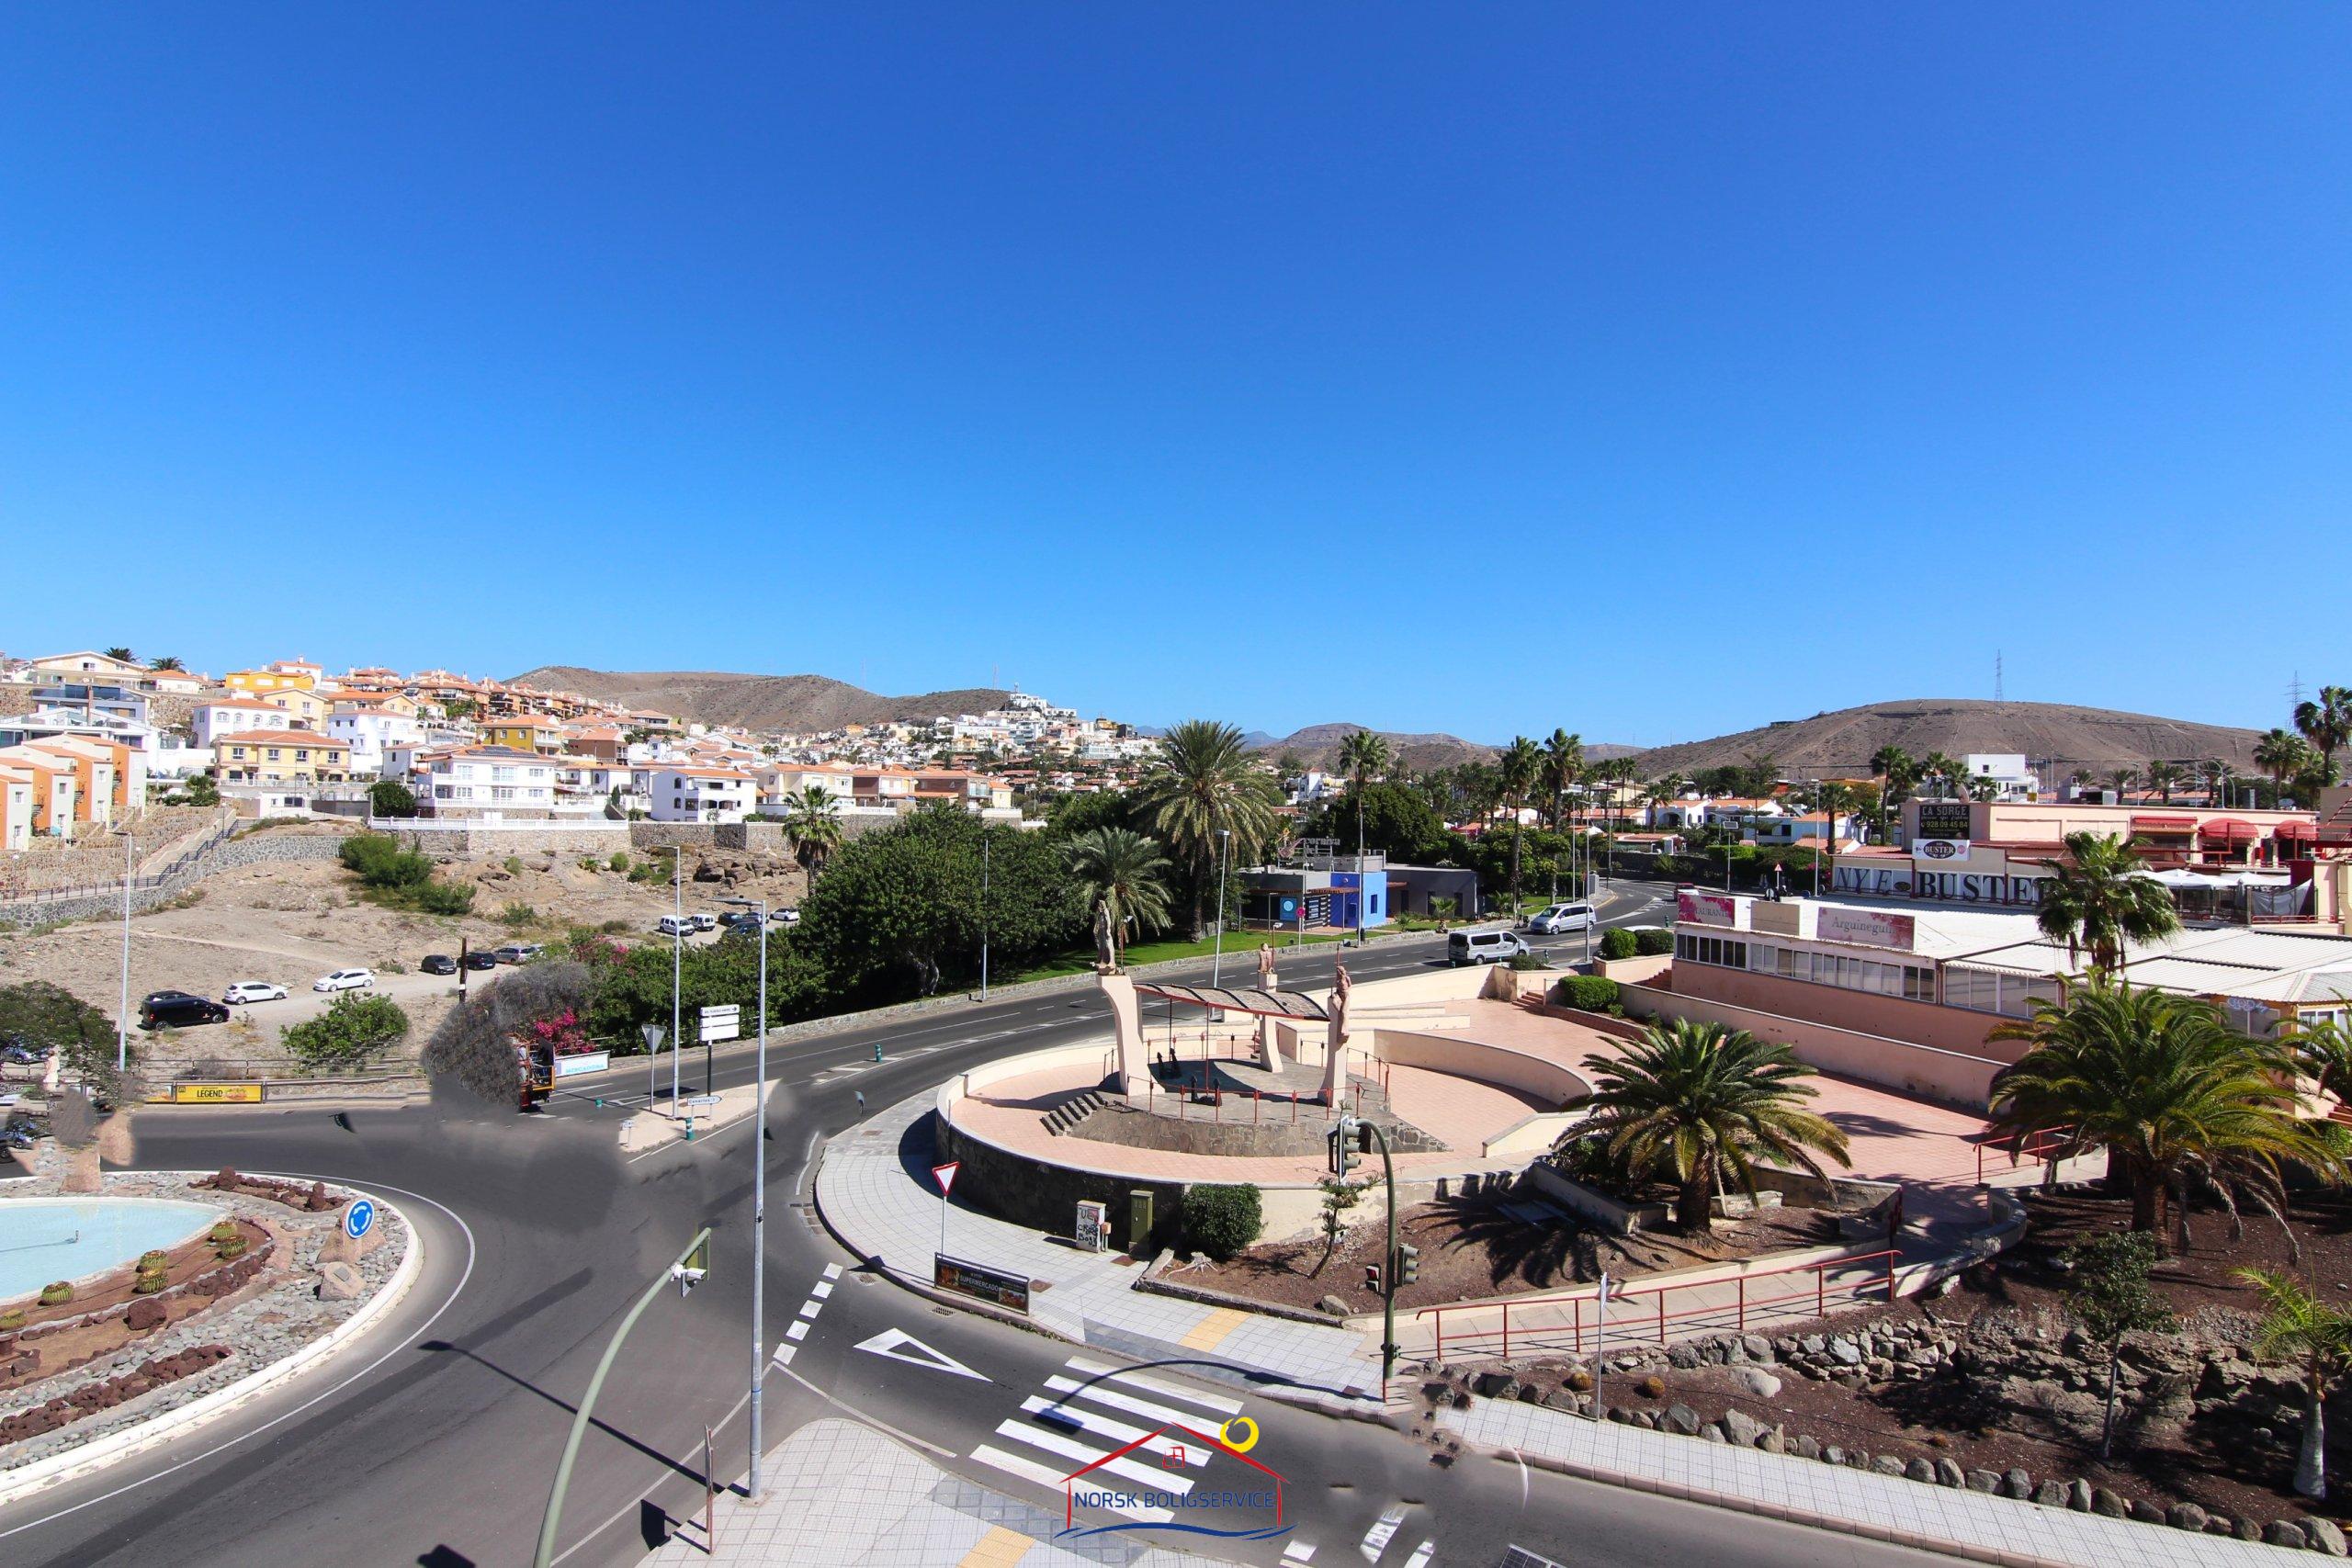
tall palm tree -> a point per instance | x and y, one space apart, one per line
2163 775
2298 1325
2326 722
2123 779
1207 782
813 825
1364 757
1563 765
1521 766
1120 870
1698 1103
168 662
1949 773
2282 754
2170 1091
1888 764
124 655
2101 896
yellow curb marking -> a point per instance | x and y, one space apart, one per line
1001 1548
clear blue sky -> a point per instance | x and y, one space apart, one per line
1652 374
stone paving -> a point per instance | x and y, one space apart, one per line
843 1492
1858 1502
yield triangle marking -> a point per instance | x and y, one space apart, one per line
894 1344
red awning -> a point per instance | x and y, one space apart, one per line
2230 827
2296 831
2164 824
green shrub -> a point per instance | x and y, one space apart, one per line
614 928
1587 993
514 864
619 860
442 898
1222 1220
1649 944
393 966
518 915
225 1231
1618 944
353 1029
151 1260
148 1284
13 1318
56 1294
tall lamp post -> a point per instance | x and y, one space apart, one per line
678 968
984 910
758 1198
122 1014
1224 862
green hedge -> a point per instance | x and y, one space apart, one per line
1221 1221
1617 944
1587 993
1649 944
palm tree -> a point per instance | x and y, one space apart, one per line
1697 1102
1121 870
125 655
2282 754
2326 723
1364 756
1949 773
1207 782
168 662
2170 1091
1889 763
1563 765
2163 775
2297 1324
2217 772
1520 767
2101 896
2123 779
813 824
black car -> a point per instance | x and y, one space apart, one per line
481 958
439 964
178 1010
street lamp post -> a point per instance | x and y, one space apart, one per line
122 1014
677 966
1355 1127
758 1198
984 911
1225 861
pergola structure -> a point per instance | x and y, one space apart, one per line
1257 1004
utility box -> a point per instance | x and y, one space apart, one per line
1139 1221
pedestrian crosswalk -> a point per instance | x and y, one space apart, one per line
1114 1422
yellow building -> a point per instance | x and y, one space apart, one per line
286 675
276 756
524 732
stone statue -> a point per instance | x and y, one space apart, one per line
1335 1072
1106 940
1266 966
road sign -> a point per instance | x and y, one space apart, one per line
653 1033
359 1219
945 1175
722 1023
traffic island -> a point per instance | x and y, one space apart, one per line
695 1118
266 1278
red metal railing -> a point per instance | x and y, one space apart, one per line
2040 1148
1731 1316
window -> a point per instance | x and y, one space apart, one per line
301 753
273 754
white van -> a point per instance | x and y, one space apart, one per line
675 925
1483 947
1556 920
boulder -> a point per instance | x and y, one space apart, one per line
1331 1305
2147 1513
1857 1458
1920 1470
1712 1432
2323 1537
1741 1428
2248 1531
1680 1418
2221 1523
1806 1446
1494 1385
340 1282
1886 1465
1832 1454
1758 1348
2079 1495
1949 1474
2017 1483
2051 1494
2187 1517
1646 1420
2106 1503
1983 1481
1760 1383
1846 1351
2283 1532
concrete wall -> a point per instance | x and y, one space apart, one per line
1863 1012
1531 1137
1595 1207
1551 1082
1639 970
256 849
456 837
1950 1078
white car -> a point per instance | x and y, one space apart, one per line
344 980
1557 919
785 916
253 991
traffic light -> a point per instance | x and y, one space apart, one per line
1408 1263
1338 1158
1364 1137
1372 1278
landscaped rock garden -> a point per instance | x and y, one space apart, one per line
1992 1387
274 1274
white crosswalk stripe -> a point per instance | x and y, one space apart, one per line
1150 1475
1382 1532
1051 1480
1156 1385
1118 1432
1160 1414
1421 1555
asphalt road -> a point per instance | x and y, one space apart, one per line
433 1442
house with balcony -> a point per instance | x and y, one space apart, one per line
682 793
281 756
490 783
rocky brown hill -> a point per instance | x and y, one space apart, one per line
796 703
1840 744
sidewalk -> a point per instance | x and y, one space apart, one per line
875 1190
843 1492
1855 1502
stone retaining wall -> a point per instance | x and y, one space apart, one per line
256 849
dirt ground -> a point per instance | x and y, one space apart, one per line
1958 1418
1471 1248
290 922
70 1348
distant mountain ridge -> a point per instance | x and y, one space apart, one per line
792 704
1841 743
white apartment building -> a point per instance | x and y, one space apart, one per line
234 716
490 781
681 794
372 732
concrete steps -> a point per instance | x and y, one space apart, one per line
1071 1112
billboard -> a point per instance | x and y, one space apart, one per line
1868 927
1707 909
1943 830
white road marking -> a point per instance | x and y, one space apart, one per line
1150 1475
824 1288
800 1330
1382 1532
1421 1555
783 1354
1158 1386
1159 1414
832 1270
1298 1551
1051 1480
1195 1453
896 1344
810 1307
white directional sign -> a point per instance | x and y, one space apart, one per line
897 1345
722 1023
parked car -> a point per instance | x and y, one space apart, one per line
179 1009
481 958
704 921
25 1055
675 925
1554 920
1483 947
438 964
344 980
786 917
253 991
747 919
517 953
